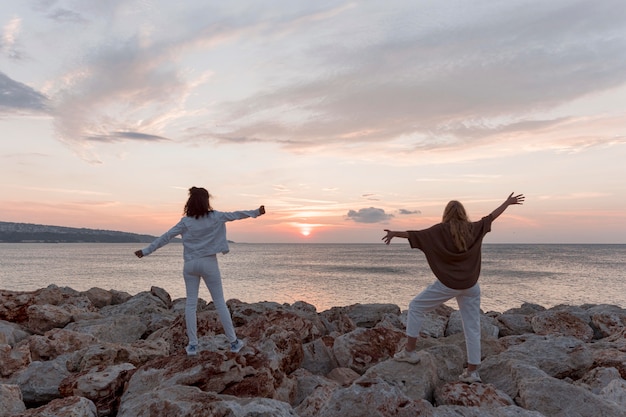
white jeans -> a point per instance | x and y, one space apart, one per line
469 305
207 269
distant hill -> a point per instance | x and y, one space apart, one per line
25 232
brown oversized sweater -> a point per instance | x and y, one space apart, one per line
455 269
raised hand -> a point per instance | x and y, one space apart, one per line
516 199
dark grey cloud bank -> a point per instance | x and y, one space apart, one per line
369 215
15 96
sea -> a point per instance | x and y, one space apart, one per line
328 275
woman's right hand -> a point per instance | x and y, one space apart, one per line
261 210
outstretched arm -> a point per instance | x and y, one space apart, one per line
512 199
391 234
229 216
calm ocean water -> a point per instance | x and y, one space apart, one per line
328 275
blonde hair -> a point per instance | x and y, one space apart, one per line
460 225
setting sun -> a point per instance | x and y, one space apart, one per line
305 229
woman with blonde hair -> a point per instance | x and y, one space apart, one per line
453 251
204 235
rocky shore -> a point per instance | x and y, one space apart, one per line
107 353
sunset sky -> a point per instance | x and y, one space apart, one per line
342 118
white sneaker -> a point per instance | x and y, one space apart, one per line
192 350
237 345
404 356
470 377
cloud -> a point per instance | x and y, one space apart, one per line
66 16
8 42
405 211
15 96
401 79
123 136
441 86
123 92
371 197
369 215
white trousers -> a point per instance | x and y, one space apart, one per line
207 269
469 305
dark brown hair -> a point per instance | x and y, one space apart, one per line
198 203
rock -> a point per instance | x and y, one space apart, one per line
615 391
598 378
610 358
257 371
53 295
562 323
513 324
558 356
11 402
318 356
471 395
488 327
336 321
527 309
363 348
372 398
304 306
435 322
13 306
607 319
555 397
102 385
306 383
42 318
11 333
253 407
105 354
174 400
125 328
99 298
13 360
281 350
57 342
187 401
437 365
175 335
343 376
150 308
369 315
65 407
253 320
122 354
119 297
460 411
162 295
416 382
40 382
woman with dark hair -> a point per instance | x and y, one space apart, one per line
453 252
203 231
